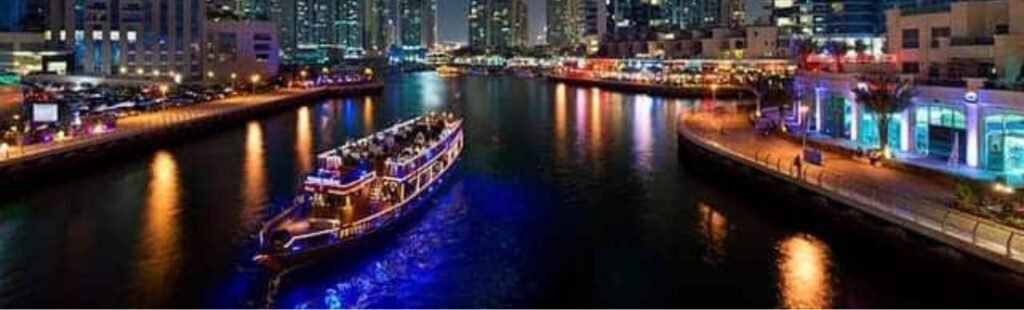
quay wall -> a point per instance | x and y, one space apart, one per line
722 92
947 231
75 157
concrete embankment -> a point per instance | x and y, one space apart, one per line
936 229
720 92
155 130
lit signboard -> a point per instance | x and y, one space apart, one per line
45 113
971 96
7 78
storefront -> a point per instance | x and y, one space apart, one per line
983 129
835 114
1004 141
940 131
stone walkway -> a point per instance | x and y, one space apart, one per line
733 131
914 202
134 124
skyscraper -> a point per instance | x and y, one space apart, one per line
124 37
520 25
347 25
829 19
498 24
639 17
564 22
12 14
282 13
595 18
23 15
379 29
417 23
313 20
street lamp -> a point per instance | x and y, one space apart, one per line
234 77
209 74
163 89
255 78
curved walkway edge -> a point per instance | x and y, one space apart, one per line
989 240
150 130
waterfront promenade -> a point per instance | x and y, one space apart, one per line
913 202
163 124
676 90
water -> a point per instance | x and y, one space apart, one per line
565 197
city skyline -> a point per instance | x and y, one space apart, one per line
453 24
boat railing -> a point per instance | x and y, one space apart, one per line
446 138
297 238
344 183
374 221
379 219
335 151
272 222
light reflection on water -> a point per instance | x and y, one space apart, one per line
643 135
254 178
805 279
565 198
715 228
159 254
304 139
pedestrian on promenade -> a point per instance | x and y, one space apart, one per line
798 164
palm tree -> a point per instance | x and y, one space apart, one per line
884 95
803 48
837 49
860 48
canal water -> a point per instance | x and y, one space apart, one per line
565 197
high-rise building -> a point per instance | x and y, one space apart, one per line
125 37
479 22
12 14
497 24
314 30
347 25
595 23
282 13
313 20
520 25
595 18
240 48
829 19
23 15
417 23
640 17
564 22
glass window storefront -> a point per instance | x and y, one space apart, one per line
869 131
940 130
1004 142
836 120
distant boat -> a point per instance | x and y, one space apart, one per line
362 189
449 71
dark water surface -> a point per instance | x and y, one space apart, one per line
565 197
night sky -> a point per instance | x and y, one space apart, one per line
452 25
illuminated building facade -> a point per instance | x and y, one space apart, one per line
130 37
968 109
565 22
418 23
498 24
